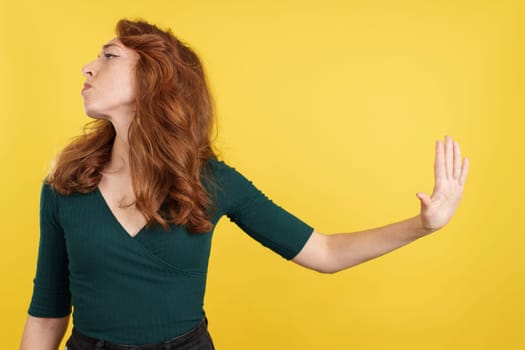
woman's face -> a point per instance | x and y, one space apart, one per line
109 92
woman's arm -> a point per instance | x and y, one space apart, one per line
43 333
332 253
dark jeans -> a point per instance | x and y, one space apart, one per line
196 339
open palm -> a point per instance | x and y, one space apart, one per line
450 174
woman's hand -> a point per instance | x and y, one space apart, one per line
450 174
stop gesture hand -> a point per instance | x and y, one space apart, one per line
450 174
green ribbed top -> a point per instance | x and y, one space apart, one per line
150 287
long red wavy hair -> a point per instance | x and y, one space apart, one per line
169 136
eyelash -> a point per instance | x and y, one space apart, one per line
108 55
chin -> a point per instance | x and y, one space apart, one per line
95 114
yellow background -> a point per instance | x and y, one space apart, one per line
332 109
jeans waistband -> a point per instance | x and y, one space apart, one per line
189 336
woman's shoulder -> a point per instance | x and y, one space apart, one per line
47 189
228 178
223 172
219 168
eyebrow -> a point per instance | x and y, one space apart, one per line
109 45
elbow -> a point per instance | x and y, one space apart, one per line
327 271
325 267
330 269
328 265
330 262
320 255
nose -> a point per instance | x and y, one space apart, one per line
87 70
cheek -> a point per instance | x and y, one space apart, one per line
127 88
121 91
126 94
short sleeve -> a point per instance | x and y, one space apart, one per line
259 216
51 295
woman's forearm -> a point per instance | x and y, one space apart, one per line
348 249
336 252
43 333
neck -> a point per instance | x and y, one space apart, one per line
119 162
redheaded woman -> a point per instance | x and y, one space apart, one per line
129 208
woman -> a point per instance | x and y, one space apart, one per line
128 211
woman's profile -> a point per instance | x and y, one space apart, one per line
128 210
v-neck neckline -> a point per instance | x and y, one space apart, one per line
116 220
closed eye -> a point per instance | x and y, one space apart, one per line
108 56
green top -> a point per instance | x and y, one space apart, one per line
150 287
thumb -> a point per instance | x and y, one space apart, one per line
424 199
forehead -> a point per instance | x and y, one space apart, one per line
115 43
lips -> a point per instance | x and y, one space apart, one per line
86 86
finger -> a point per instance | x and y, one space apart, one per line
457 161
449 157
424 199
464 172
439 163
